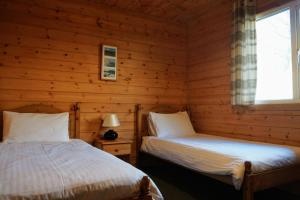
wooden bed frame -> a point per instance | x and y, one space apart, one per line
252 182
74 121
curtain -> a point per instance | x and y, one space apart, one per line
244 69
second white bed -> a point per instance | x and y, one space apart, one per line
219 155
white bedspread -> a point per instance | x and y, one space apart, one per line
219 155
65 170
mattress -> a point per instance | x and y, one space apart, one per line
70 170
219 155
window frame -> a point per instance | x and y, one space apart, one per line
294 7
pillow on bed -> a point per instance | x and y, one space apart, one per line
171 125
35 127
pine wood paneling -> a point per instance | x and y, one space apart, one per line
209 85
49 53
175 10
264 5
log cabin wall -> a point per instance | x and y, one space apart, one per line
50 54
209 84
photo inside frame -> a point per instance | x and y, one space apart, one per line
109 52
109 72
109 62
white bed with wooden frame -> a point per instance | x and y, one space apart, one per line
252 180
70 170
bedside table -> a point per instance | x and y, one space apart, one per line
119 147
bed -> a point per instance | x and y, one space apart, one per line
68 170
249 166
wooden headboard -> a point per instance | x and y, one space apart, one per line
43 108
141 118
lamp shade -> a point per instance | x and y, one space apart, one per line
111 120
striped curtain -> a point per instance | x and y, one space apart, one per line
243 54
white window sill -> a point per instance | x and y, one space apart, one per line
291 101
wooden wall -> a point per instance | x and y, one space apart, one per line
209 85
50 54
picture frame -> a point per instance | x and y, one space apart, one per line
109 63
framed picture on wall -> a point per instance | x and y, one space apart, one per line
109 63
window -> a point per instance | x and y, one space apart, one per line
277 55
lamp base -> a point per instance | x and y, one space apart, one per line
110 135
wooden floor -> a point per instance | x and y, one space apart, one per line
177 183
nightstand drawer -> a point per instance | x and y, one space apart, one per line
118 149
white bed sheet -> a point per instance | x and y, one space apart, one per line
72 170
220 155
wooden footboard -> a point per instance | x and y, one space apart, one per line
145 189
254 182
144 193
247 182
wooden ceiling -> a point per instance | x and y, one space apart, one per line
169 10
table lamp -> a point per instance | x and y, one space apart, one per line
110 121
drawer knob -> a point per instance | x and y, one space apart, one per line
116 150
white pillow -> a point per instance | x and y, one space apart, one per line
172 125
35 127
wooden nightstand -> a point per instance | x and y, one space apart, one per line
119 147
